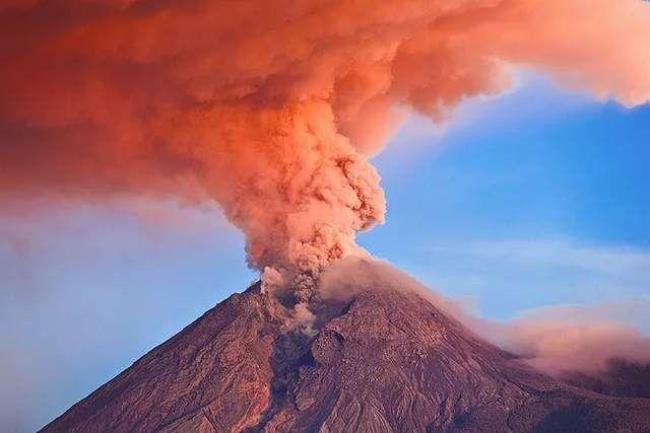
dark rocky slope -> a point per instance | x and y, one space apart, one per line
384 361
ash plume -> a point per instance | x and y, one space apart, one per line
273 109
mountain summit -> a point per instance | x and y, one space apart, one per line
381 359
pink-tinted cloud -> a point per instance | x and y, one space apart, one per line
272 108
559 346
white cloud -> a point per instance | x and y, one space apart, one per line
621 262
510 276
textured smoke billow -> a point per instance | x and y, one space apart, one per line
272 108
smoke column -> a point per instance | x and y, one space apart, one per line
273 108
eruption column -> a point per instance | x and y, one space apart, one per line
273 108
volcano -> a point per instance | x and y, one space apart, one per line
382 358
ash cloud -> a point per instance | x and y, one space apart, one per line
562 340
558 340
272 109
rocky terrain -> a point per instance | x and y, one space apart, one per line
383 360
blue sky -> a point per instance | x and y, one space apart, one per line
538 197
536 174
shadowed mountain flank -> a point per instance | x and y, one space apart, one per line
382 360
621 378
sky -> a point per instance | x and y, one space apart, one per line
531 199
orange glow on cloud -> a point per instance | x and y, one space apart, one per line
273 108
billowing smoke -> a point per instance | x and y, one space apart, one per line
272 108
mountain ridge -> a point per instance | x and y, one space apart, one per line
384 359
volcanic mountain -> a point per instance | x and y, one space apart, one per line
381 358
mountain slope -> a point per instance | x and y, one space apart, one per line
385 360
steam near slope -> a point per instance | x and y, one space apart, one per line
272 108
558 340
